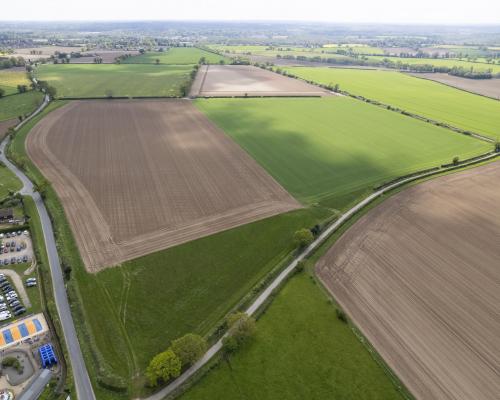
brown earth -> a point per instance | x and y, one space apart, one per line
5 125
108 56
135 177
420 276
485 87
238 80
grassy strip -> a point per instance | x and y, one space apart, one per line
62 387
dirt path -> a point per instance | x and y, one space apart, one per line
419 275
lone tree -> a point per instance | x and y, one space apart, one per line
2 92
157 61
302 238
241 328
189 348
163 367
109 93
456 160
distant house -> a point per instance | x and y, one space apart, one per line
6 214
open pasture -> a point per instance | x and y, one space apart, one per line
301 351
10 78
419 276
324 149
19 104
137 177
177 56
247 80
484 87
113 80
419 96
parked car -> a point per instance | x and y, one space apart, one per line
13 260
7 289
31 284
18 307
5 315
12 292
26 233
3 307
14 303
25 258
20 311
4 283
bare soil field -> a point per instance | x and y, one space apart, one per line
420 276
238 80
108 56
5 125
485 87
135 177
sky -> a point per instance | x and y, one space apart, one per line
383 11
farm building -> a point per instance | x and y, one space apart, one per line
25 330
6 214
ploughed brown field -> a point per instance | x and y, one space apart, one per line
485 87
241 80
5 125
420 276
135 177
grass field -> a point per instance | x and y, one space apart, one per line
327 149
100 80
300 351
19 104
419 96
281 50
8 182
440 62
10 79
177 56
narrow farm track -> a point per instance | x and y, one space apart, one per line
266 293
83 386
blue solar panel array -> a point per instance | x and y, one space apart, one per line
47 355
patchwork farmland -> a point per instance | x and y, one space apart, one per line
419 276
151 175
419 96
247 80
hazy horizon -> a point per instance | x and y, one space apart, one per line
426 12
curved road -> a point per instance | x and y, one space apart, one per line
259 301
83 386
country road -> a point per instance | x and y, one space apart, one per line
261 299
83 386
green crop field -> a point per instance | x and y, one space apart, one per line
176 55
280 50
329 148
429 99
300 351
355 48
441 62
119 80
19 104
9 80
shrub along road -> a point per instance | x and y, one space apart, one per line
83 386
